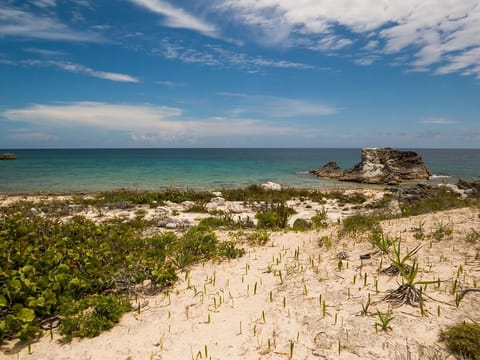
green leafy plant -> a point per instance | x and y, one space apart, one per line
51 268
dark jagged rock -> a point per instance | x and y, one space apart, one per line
330 170
471 186
8 156
379 166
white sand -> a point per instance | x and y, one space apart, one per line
244 309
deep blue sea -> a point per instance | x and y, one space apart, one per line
92 170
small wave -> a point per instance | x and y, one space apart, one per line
439 177
302 172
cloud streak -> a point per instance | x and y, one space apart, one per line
21 23
178 18
81 69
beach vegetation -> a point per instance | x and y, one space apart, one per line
343 198
325 241
275 216
463 340
442 231
381 241
320 219
52 269
226 221
436 199
473 236
356 224
384 320
302 225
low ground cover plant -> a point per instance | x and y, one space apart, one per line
84 272
463 340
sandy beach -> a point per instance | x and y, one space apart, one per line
304 295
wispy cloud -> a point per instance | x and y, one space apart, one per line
178 18
212 55
141 120
438 35
44 52
32 136
20 23
81 69
277 107
439 121
169 83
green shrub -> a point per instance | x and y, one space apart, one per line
302 225
320 219
258 238
229 250
359 223
436 199
197 244
276 217
463 340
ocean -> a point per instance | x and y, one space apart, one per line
94 170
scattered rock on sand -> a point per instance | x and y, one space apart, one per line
271 186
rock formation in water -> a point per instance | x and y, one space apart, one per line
379 166
8 156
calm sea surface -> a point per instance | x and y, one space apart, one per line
90 170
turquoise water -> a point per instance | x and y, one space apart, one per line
91 170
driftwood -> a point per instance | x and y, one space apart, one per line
465 291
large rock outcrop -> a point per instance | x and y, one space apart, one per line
379 166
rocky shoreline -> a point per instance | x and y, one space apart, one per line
379 166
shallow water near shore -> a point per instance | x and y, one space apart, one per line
92 170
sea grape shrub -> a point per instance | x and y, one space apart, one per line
92 315
197 244
51 268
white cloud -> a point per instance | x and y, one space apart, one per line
218 56
435 33
141 120
20 23
439 121
177 17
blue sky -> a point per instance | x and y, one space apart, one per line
239 73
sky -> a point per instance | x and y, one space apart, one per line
239 73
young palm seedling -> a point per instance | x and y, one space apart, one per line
408 293
399 262
384 321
